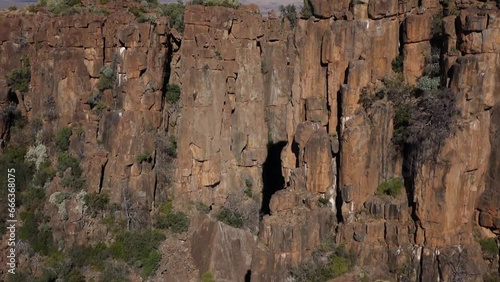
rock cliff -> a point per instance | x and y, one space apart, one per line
272 121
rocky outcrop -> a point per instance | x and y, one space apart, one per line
280 111
67 55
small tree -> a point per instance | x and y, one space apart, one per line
289 12
19 78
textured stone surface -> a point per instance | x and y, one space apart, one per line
258 96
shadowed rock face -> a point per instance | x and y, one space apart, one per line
277 110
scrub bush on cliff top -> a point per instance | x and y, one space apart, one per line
175 14
223 3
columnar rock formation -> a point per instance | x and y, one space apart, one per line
280 107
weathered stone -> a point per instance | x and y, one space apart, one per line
318 159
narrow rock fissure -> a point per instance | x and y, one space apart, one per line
101 180
338 198
272 177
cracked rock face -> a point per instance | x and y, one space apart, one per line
277 110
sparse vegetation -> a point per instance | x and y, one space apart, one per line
173 93
202 207
82 255
207 277
231 217
397 64
19 78
74 180
168 218
96 202
323 202
307 9
427 83
62 139
106 79
138 248
62 7
489 247
328 261
175 14
392 187
144 157
224 3
171 148
248 188
94 100
289 12
36 232
12 8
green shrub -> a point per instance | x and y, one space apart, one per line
62 139
32 199
323 202
106 78
12 8
392 187
175 14
289 12
168 218
96 202
207 277
427 83
62 7
202 207
144 157
138 248
397 64
224 3
307 9
173 93
19 78
81 255
137 12
36 233
172 147
328 261
489 247
437 25
231 217
75 180
65 161
94 100
114 272
151 263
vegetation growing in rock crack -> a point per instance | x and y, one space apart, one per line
106 78
173 93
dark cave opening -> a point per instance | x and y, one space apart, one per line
272 176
